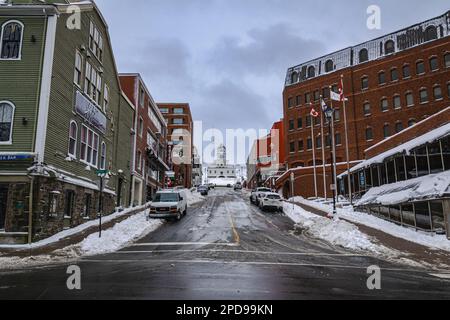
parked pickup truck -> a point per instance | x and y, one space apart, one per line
257 194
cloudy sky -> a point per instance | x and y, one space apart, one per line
228 58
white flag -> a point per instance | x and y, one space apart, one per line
335 96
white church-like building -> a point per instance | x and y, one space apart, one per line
221 174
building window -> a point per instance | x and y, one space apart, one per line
308 121
409 99
298 100
106 99
141 127
294 77
178 110
96 41
364 83
434 153
73 136
411 122
326 93
445 142
394 74
329 66
89 146
309 144
87 82
369 134
290 102
291 125
311 72
164 110
307 98
423 95
386 131
87 206
437 92
337 139
384 105
431 33
423 219
397 102
319 142
447 60
139 160
337 115
363 55
103 156
381 78
434 64
178 121
398 127
300 123
292 147
422 161
389 47
11 40
406 70
6 122
316 95
420 67
78 68
367 109
301 146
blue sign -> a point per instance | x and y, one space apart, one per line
90 112
362 179
15 157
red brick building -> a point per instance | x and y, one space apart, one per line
149 163
180 146
391 83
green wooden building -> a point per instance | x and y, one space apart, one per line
63 118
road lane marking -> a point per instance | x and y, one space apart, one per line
162 244
255 263
237 238
313 254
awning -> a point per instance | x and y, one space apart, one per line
433 186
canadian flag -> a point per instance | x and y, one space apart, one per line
314 113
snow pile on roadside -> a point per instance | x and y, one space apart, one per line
118 236
70 232
193 197
438 242
338 233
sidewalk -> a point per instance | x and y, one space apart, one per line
65 241
411 250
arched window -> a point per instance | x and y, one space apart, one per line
329 66
294 77
73 136
431 33
103 157
6 122
311 72
363 55
11 40
411 122
389 47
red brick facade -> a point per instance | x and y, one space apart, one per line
367 126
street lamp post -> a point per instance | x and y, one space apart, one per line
329 113
103 175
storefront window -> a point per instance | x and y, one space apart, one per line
423 218
391 172
446 152
400 168
383 179
376 182
368 179
434 152
437 215
411 171
395 214
422 162
384 212
408 215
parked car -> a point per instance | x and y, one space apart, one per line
271 201
211 186
169 205
203 190
238 186
257 193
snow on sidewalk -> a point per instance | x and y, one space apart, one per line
338 233
433 241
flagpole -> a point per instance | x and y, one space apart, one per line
324 162
314 151
346 141
333 139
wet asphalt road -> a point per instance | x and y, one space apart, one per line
226 249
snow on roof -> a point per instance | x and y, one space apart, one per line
427 187
406 147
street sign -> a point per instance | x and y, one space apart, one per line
101 172
15 157
333 187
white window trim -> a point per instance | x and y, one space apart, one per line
10 141
91 164
102 147
21 40
106 97
73 156
75 69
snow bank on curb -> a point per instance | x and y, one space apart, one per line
70 232
193 197
338 233
433 241
119 236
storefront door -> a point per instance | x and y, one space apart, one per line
3 204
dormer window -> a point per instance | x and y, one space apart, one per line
363 55
431 33
11 40
294 77
329 66
311 72
389 47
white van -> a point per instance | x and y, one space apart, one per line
169 205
